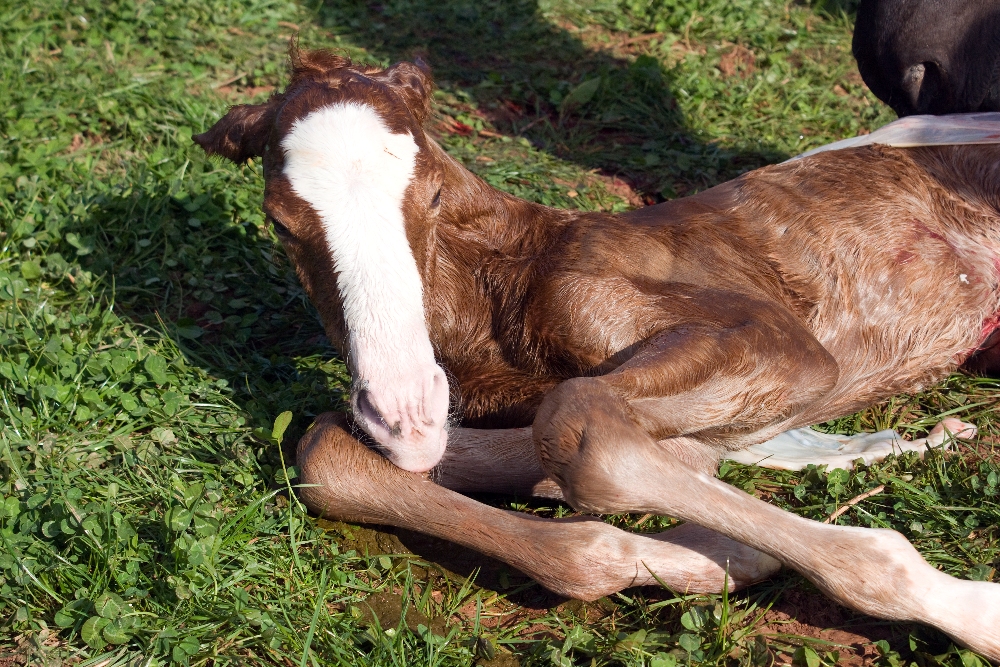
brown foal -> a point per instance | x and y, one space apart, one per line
612 360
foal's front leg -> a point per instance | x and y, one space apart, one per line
594 438
580 558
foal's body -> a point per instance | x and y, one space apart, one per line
804 252
612 360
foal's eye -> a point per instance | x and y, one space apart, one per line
437 199
279 228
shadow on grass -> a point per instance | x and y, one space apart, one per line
198 268
533 78
445 560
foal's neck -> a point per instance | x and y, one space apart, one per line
495 221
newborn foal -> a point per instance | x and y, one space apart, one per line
613 359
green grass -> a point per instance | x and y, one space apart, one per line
151 331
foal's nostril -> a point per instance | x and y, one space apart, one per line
926 88
372 415
368 411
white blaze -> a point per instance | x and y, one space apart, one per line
346 163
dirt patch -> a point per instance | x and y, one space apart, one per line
984 449
501 659
14 656
386 608
738 61
617 185
812 615
85 140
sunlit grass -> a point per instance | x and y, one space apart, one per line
151 330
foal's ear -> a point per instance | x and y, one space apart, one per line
240 134
414 83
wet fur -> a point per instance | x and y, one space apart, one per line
634 349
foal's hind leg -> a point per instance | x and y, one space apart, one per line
798 448
594 438
581 558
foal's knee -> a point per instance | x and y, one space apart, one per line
587 441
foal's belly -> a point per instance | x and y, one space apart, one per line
909 317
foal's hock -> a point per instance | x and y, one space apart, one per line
612 360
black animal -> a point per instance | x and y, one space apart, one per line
930 56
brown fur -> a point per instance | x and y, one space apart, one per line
639 347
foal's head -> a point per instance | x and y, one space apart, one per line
352 187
